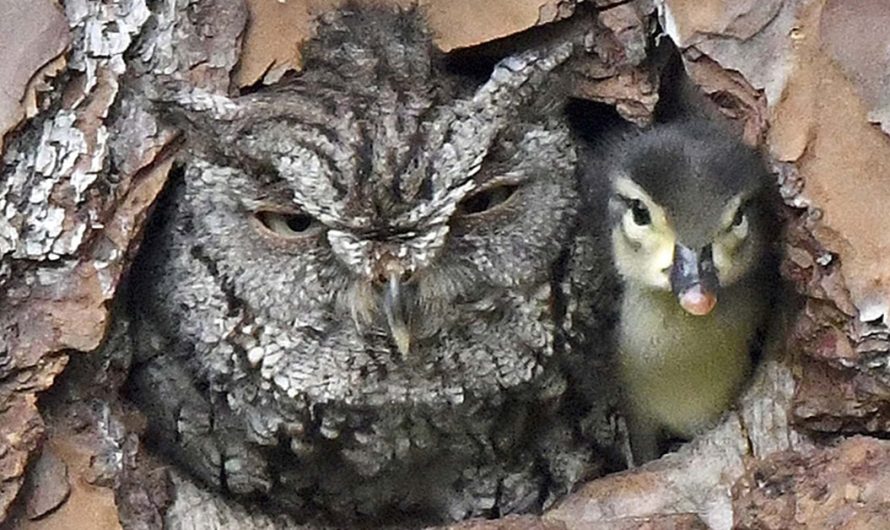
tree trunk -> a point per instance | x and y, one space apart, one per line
84 159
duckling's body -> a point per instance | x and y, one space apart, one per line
690 227
681 371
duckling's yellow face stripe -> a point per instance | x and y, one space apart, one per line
728 242
643 251
643 246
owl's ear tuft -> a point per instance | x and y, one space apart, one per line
527 82
550 99
197 113
190 106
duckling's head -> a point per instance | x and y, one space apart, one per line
689 211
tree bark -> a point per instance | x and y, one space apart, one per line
84 159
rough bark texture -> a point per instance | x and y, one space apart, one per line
845 486
69 220
84 160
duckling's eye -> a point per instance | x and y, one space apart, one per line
738 219
487 199
287 225
640 212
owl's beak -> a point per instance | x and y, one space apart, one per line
394 309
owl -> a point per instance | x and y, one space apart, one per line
357 300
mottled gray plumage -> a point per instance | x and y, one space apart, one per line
356 302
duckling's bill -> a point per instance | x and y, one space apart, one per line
694 279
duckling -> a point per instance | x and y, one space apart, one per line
690 220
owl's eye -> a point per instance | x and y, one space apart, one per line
487 199
287 225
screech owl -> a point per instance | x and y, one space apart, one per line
358 299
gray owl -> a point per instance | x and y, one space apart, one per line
358 300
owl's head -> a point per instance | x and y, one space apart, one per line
390 221
690 212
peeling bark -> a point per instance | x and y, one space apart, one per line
837 487
33 35
84 159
